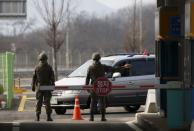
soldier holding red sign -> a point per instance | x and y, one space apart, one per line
96 71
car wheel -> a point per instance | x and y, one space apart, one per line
60 111
132 108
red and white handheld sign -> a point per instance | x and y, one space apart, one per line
102 86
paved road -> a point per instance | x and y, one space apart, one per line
35 126
118 119
113 115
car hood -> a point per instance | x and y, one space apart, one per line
71 81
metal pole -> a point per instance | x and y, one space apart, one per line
134 23
140 27
67 48
67 36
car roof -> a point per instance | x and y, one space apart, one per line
118 57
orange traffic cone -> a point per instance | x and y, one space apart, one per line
76 111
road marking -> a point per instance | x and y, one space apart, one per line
22 103
132 125
30 110
31 98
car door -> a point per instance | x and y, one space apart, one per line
139 77
143 74
121 97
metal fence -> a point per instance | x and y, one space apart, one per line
6 76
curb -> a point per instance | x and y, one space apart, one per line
134 125
145 123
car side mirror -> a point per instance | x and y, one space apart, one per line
116 75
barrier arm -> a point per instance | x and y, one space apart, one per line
85 87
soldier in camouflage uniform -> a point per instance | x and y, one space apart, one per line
94 71
43 76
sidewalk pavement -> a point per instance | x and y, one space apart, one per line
153 122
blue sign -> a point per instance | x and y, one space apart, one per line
175 26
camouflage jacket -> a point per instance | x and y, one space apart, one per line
97 70
43 75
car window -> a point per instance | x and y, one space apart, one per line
138 67
124 72
82 70
150 67
143 67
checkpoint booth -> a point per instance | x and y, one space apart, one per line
174 35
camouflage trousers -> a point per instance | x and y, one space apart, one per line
43 96
94 102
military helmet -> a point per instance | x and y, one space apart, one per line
96 56
42 56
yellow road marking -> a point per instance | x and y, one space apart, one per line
22 103
31 98
30 110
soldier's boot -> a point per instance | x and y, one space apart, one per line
103 116
37 117
49 117
91 116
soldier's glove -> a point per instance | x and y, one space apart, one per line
127 66
33 88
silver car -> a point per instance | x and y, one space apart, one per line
139 76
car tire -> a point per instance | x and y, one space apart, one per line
60 111
132 108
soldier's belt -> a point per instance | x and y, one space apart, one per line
43 88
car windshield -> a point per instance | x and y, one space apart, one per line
82 70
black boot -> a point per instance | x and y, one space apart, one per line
103 115
91 119
103 119
37 117
49 117
91 116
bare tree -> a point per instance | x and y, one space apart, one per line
20 26
130 42
133 31
53 13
